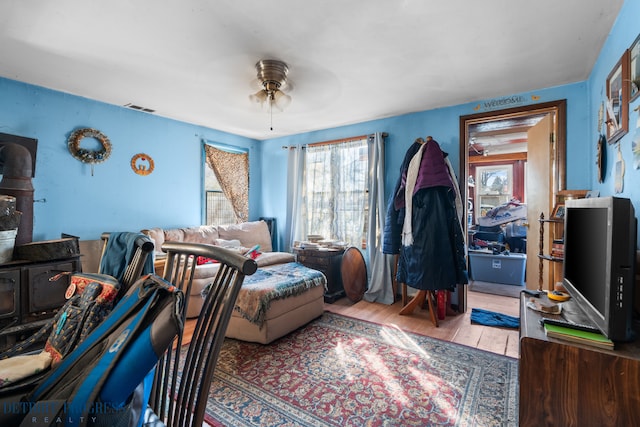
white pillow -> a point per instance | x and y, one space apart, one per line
249 233
235 243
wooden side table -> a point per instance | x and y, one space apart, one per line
328 261
563 383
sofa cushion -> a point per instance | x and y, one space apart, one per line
206 271
203 234
157 235
174 235
270 258
249 233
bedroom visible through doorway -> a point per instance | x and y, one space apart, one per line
513 163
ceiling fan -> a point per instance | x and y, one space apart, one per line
272 75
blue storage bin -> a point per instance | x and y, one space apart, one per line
506 269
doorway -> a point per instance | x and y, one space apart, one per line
515 157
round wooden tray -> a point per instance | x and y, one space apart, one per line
354 274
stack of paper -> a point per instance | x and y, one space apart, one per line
578 336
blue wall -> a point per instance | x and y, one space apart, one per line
443 124
73 201
623 34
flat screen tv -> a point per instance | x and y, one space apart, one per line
599 262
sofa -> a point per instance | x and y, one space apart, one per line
267 308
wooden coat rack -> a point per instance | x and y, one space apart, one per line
417 301
422 296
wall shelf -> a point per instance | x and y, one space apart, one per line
556 228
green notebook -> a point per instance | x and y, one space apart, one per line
576 335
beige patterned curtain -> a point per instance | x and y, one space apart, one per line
232 172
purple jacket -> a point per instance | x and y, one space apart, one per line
433 172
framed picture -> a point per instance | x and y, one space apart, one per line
558 211
634 69
618 100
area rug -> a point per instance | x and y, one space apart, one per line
338 371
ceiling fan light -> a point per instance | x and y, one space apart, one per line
259 97
272 75
281 100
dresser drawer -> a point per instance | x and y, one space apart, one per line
314 262
328 262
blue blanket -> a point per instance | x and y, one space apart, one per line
271 283
491 318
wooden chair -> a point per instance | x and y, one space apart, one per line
182 401
143 246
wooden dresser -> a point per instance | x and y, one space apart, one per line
329 262
567 384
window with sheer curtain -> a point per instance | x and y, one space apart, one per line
335 191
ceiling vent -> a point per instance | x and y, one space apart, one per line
139 108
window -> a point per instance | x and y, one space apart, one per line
494 187
218 207
335 196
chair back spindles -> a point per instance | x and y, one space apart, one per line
184 375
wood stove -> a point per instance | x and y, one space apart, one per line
27 297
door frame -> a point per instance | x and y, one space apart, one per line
559 154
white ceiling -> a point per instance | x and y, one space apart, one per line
350 61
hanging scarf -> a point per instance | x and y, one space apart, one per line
434 170
412 175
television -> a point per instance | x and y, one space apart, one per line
599 262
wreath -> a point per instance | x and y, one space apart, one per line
142 168
89 156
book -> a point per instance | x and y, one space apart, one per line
578 336
557 249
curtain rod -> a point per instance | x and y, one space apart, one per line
336 141
225 147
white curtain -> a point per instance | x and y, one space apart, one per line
380 265
295 175
335 191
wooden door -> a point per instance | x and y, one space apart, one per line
538 192
546 155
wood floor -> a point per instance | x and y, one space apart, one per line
456 329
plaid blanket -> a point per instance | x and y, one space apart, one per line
271 283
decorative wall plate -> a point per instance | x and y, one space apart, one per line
602 158
619 173
635 144
142 164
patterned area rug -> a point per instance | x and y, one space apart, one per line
339 371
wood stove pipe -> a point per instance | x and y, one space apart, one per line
17 169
